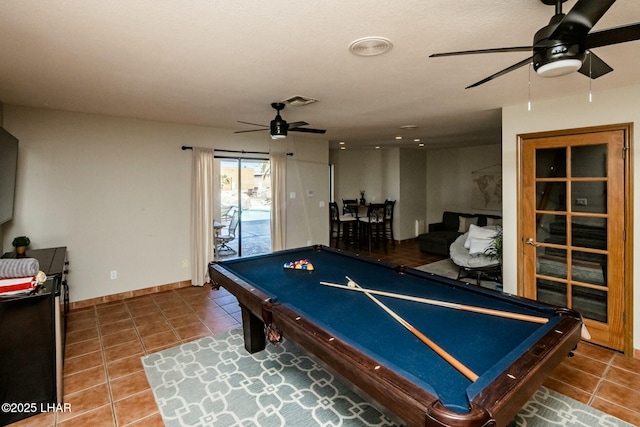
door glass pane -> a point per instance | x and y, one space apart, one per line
551 196
551 292
589 161
227 219
589 196
256 207
589 267
245 208
552 262
551 163
589 232
552 229
591 303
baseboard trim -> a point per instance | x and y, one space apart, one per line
410 240
75 305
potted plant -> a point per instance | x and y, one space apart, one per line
21 243
495 250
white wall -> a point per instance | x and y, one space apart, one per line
449 182
116 192
389 173
308 212
357 170
608 107
413 188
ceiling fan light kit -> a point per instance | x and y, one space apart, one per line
278 128
552 58
559 67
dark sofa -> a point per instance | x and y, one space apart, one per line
442 234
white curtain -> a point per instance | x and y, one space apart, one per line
202 188
278 201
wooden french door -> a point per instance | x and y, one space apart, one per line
572 220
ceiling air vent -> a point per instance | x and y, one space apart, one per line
299 100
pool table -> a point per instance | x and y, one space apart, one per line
361 342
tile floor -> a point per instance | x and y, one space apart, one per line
106 386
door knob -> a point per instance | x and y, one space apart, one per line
530 241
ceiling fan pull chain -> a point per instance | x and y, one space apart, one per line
590 79
529 102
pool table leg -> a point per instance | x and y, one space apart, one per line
253 329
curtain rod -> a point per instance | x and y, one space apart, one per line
185 147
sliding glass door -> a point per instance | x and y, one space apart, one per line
244 214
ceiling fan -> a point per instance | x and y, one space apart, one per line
279 126
563 46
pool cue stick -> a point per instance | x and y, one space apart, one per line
474 309
433 346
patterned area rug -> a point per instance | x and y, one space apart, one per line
214 382
448 269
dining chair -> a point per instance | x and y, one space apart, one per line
341 225
389 206
373 225
348 206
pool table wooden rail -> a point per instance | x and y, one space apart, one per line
383 385
414 405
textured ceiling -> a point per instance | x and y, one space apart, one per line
212 63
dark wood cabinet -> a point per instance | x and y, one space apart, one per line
32 339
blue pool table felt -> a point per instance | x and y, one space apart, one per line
484 343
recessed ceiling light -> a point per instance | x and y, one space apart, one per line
377 147
416 140
398 137
421 144
343 148
370 46
341 142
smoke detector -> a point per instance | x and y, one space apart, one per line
299 100
370 46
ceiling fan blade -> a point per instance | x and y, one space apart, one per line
253 124
622 34
580 19
500 73
473 52
594 67
307 130
297 124
251 130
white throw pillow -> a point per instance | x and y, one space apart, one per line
478 246
465 222
476 232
